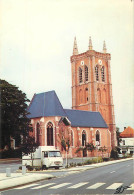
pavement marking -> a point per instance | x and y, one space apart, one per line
26 186
114 186
112 171
97 185
59 185
131 187
42 186
78 185
128 165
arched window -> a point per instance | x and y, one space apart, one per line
102 74
83 138
86 73
50 134
80 96
38 133
72 138
98 137
80 75
97 72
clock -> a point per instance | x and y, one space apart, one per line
100 61
82 62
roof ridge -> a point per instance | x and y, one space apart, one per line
45 92
81 110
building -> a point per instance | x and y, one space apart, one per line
91 84
52 123
127 141
91 119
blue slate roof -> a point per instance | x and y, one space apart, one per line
80 118
45 104
48 104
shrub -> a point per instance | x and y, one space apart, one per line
114 154
127 156
29 168
37 168
105 159
94 160
88 162
20 167
98 159
79 164
11 153
72 164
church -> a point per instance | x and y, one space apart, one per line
91 119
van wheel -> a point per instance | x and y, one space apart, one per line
56 167
44 167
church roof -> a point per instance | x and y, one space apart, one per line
128 132
80 118
45 104
48 104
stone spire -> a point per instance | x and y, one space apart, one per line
75 49
90 44
104 48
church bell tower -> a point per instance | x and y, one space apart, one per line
91 84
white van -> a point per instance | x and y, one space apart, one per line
45 157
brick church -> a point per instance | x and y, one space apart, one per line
91 119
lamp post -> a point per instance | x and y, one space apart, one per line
97 144
91 129
66 156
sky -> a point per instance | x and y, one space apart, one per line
36 42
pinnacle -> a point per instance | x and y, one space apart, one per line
90 44
75 48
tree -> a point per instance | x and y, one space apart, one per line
14 120
65 143
64 138
29 146
103 149
88 146
114 153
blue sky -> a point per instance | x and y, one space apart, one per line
37 41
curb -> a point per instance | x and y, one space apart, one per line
26 179
31 177
10 160
81 168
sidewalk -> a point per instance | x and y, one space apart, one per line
10 160
17 179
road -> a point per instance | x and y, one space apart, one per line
15 166
101 180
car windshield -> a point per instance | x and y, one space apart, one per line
54 154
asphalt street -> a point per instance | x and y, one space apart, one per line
101 180
15 166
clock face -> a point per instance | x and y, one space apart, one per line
82 62
100 62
